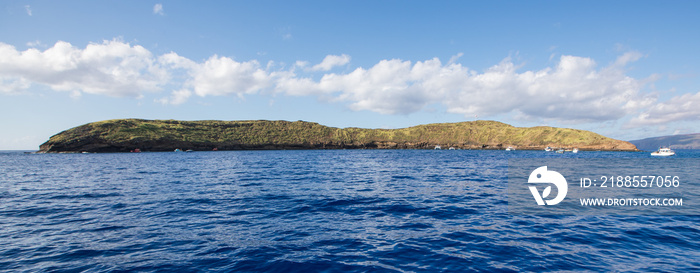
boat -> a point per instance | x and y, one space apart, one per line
560 151
548 149
437 147
663 152
510 148
575 150
177 150
452 148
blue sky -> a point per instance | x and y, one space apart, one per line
624 69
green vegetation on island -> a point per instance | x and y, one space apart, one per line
123 135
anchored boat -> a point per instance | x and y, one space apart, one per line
663 152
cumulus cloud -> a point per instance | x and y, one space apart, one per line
685 107
158 9
224 76
175 61
112 68
177 97
389 87
220 76
12 85
331 61
574 89
301 64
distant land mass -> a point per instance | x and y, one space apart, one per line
124 135
689 141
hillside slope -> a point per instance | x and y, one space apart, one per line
123 135
689 141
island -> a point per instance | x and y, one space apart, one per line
125 135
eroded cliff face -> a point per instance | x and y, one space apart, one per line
125 135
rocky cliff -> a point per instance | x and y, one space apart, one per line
123 135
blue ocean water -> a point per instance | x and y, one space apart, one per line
310 211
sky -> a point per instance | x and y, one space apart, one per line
624 69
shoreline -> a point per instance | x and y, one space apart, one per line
310 149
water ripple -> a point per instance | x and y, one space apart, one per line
307 211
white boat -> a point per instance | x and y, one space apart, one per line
452 148
510 148
548 149
437 147
575 150
663 152
560 151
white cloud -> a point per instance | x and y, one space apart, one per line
685 107
158 9
454 58
389 87
28 9
111 68
574 89
13 85
177 97
36 43
331 61
115 68
385 88
224 76
219 76
176 61
292 85
301 64
628 57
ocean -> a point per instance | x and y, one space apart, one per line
311 211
